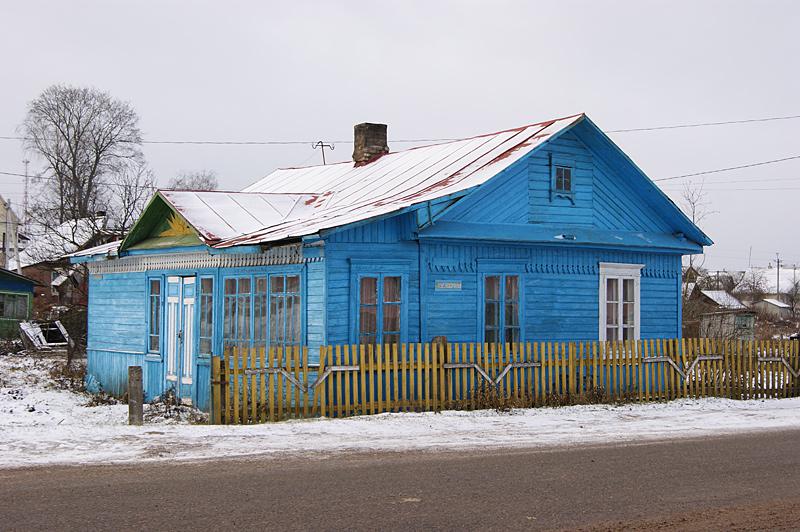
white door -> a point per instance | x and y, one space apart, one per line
180 335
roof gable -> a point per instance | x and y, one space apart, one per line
160 226
610 195
187 217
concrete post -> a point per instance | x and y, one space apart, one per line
135 396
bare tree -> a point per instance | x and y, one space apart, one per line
133 187
754 285
794 295
90 145
696 207
199 180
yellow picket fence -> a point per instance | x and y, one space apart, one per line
255 385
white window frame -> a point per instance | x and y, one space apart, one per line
614 270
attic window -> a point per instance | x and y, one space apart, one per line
561 179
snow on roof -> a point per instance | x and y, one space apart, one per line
723 299
224 215
53 244
339 194
779 304
109 249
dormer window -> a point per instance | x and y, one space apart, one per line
562 185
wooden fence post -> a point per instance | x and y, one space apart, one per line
439 373
135 396
216 386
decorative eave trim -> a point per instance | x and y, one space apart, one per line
290 254
562 262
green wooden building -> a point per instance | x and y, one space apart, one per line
16 298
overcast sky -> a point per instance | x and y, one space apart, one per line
309 71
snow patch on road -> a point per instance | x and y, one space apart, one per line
40 426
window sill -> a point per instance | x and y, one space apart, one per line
153 357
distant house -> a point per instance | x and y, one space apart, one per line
12 238
720 299
725 316
60 284
729 324
774 309
546 231
16 295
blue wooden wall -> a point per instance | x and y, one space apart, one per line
560 281
116 335
561 288
117 324
387 245
604 198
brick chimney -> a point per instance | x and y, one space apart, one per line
370 142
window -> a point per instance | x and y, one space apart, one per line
206 315
380 309
14 306
263 310
563 179
237 303
284 310
619 301
154 316
501 309
562 182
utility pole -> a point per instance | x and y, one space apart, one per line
322 146
778 264
7 235
25 199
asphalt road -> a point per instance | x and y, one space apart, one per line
740 482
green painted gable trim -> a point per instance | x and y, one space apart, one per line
146 232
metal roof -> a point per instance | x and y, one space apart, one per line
219 216
346 193
723 299
772 301
109 249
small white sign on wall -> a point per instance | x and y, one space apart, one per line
447 286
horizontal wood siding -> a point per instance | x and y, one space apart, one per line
510 187
542 209
376 241
116 330
338 260
521 194
561 289
387 230
117 312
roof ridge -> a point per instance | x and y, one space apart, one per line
544 123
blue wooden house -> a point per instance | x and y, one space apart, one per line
546 231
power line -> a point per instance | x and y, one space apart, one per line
350 141
704 124
726 181
744 189
751 165
705 172
253 142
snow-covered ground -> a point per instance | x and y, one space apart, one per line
41 425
